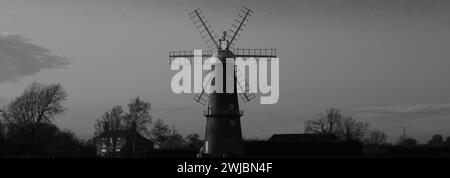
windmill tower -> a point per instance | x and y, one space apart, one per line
223 133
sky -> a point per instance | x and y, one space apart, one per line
382 61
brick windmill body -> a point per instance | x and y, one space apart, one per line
223 135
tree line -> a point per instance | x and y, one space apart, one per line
346 128
27 128
138 114
27 125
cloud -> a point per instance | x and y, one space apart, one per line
19 57
10 16
403 109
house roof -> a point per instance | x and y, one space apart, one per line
301 138
120 133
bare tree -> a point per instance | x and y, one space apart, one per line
160 132
328 123
375 137
112 120
39 103
447 141
332 122
29 115
117 119
194 142
139 113
174 140
436 140
405 141
2 129
350 129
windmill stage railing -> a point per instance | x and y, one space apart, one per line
227 112
187 54
261 53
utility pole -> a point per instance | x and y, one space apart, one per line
404 134
173 130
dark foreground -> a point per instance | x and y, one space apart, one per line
168 167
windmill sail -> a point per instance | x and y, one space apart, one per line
237 27
205 29
203 97
243 85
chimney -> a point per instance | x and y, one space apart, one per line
133 126
105 127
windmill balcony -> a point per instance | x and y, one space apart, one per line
227 112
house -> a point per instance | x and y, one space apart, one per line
122 143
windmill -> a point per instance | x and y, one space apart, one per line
223 133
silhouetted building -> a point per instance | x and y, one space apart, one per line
122 143
291 145
292 138
171 153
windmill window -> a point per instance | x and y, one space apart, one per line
104 147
